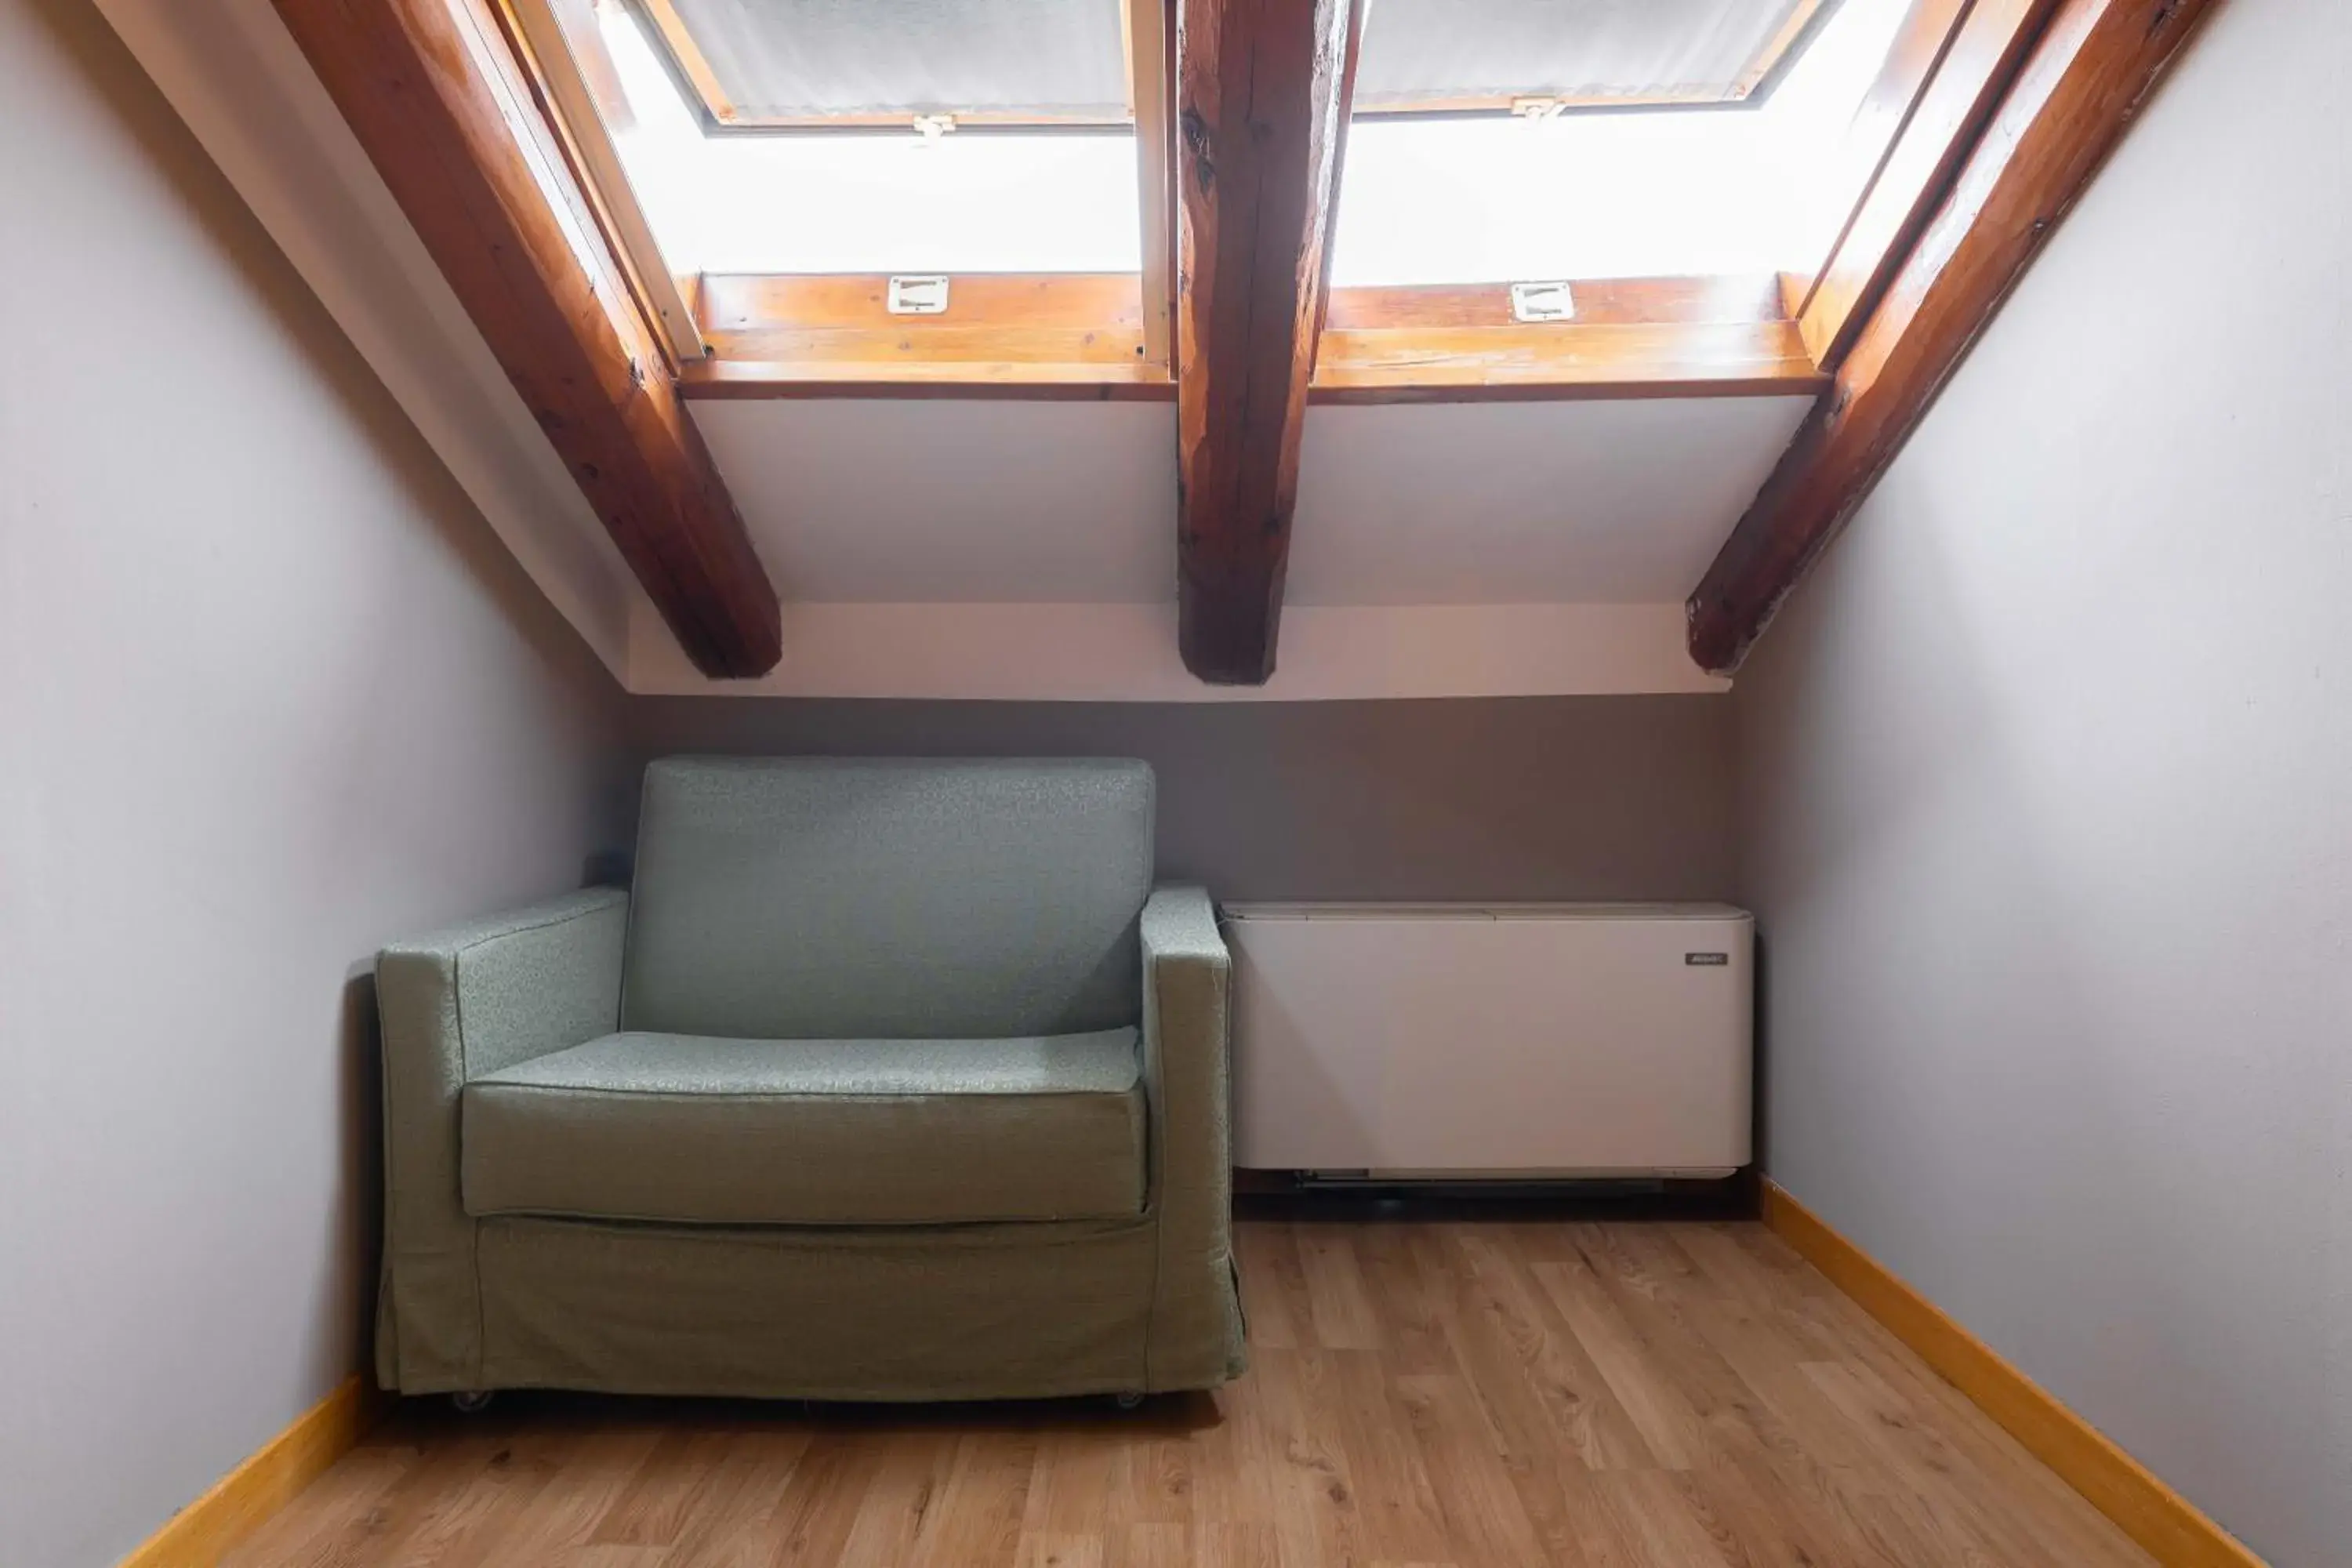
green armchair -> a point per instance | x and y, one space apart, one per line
889 1080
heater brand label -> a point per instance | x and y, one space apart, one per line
1708 960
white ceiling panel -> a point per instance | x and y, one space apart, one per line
878 501
938 501
1528 503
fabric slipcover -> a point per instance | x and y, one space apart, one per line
1039 870
811 1132
823 899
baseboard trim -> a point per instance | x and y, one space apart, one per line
2170 1527
242 1500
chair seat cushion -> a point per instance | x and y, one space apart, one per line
693 1129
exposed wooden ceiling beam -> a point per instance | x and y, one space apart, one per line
1261 111
2087 75
436 93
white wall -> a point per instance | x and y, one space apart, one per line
2048 779
269 694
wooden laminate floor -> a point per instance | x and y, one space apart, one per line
1469 1393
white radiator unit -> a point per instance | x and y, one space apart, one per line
1496 1042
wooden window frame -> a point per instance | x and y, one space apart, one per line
1021 335
584 95
1631 338
1082 335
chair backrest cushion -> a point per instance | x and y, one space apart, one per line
839 899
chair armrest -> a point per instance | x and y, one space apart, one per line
454 1005
1186 1002
1195 1337
482 996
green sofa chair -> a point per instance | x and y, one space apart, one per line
889 1080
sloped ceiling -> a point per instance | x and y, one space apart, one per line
1023 550
1003 503
952 502
1028 549
1515 503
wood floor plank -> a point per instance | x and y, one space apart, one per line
977 1524
1232 1473
1315 1508
1401 1519
1742 1419
825 1497
1274 1287
1909 1511
1043 1549
1668 1425
1157 1544
471 1532
1204 1546
2001 1463
607 1555
1236 1546
1485 1507
911 1475
1751 1488
1074 1471
1500 1325
1778 1526
449 1470
1938 1461
1337 1302
1482 1394
1405 1301
1670 1528
356 1488
751 1485
1554 1419
1834 1475
672 1484
562 1518
1153 1483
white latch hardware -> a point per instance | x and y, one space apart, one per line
919 296
932 126
1536 108
1541 302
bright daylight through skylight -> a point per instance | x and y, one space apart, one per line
1425 200
886 201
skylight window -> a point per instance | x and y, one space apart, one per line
782 64
1539 56
845 198
1493 140
1731 180
861 151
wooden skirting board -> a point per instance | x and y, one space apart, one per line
2168 1525
243 1499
